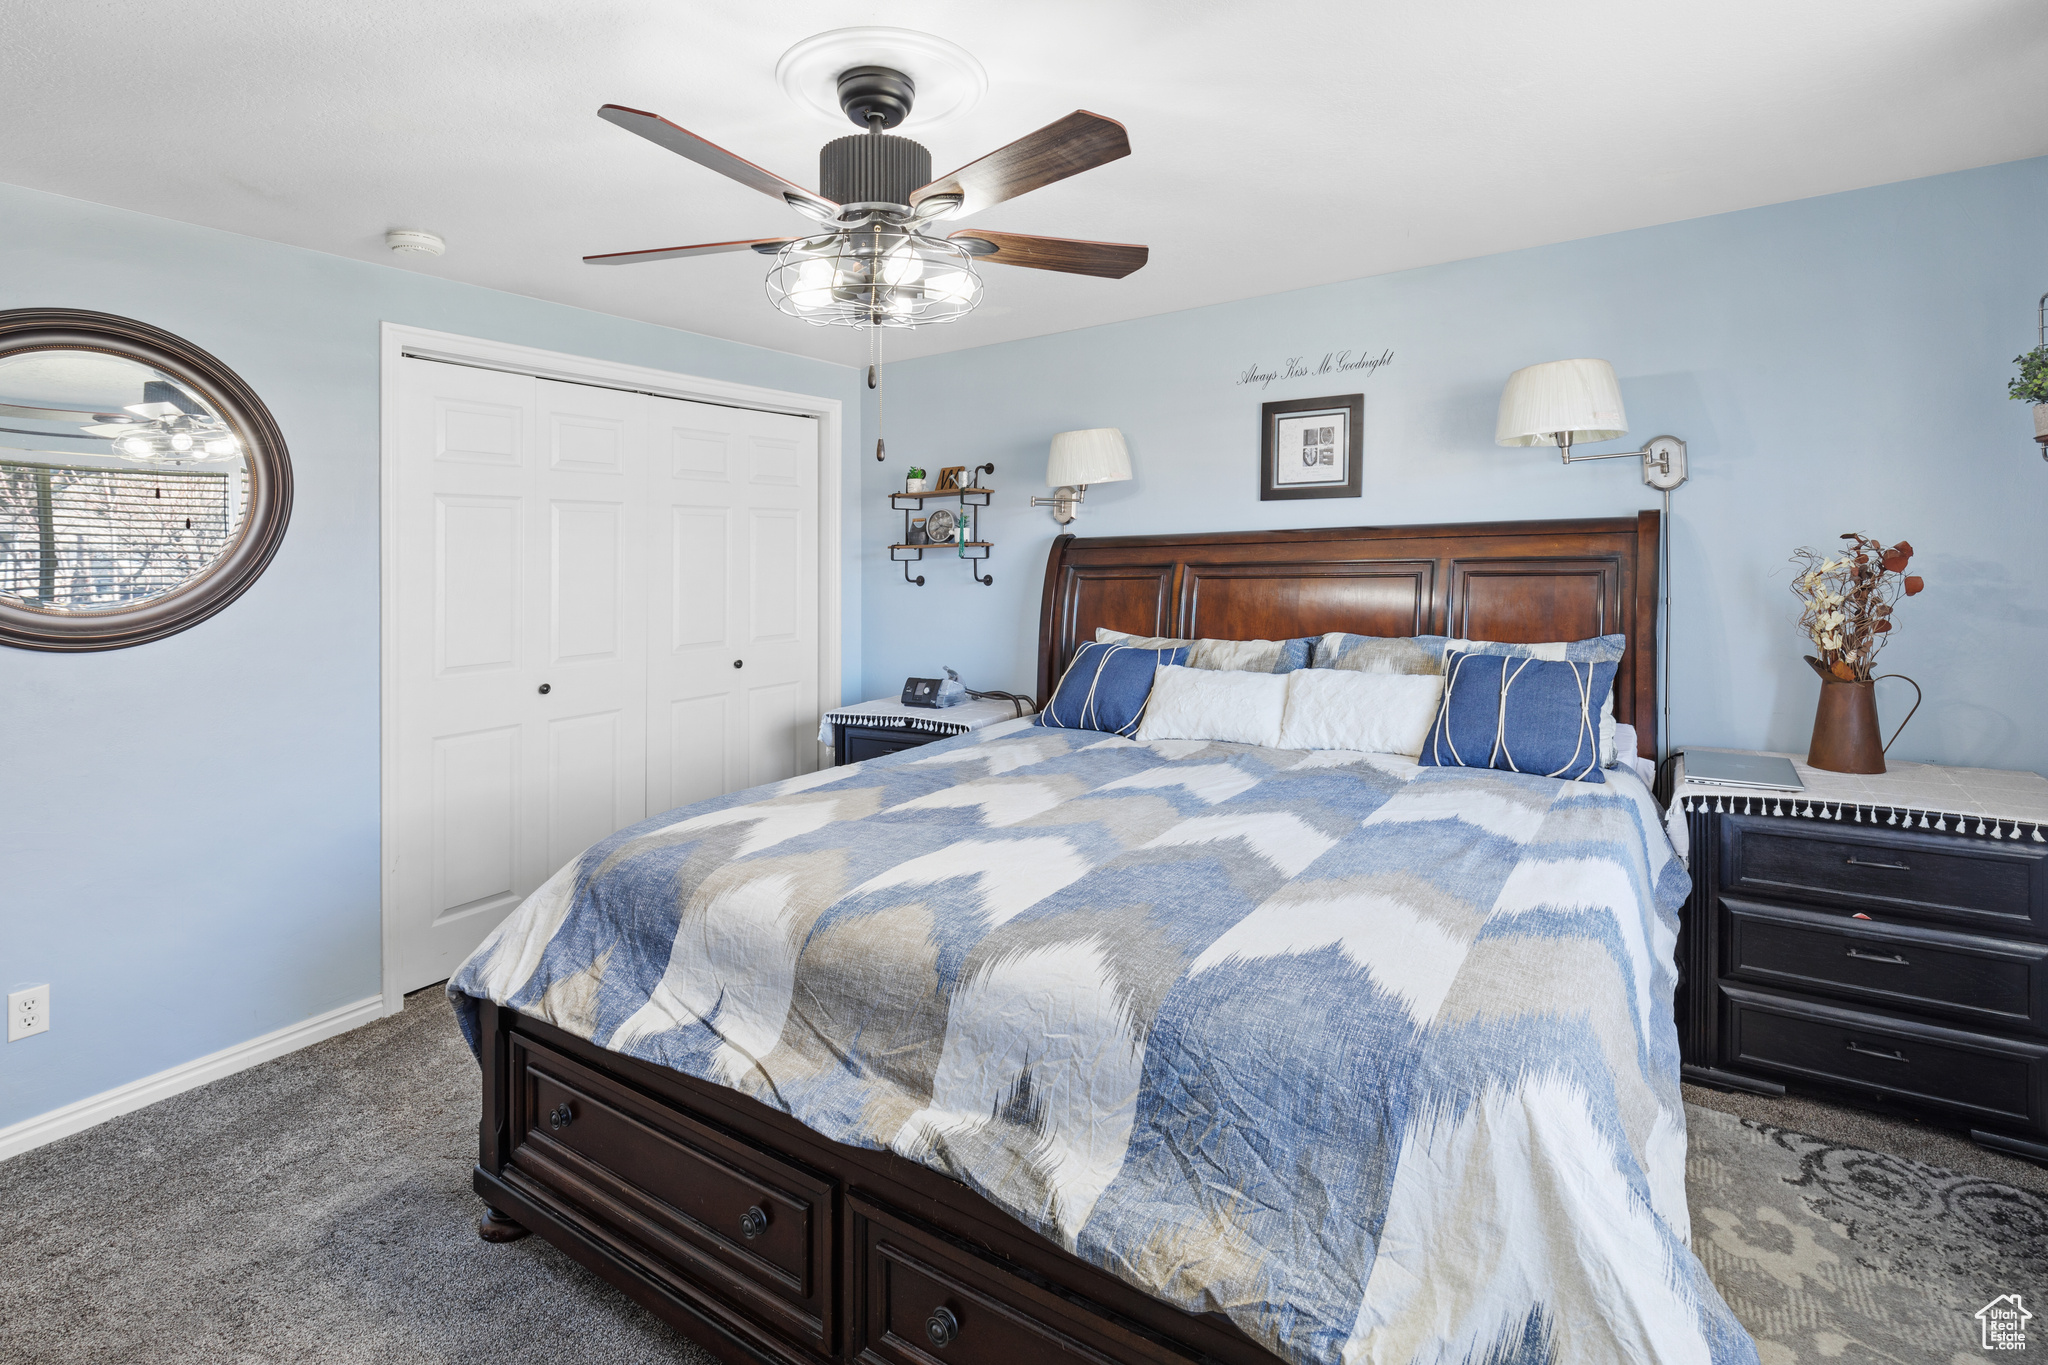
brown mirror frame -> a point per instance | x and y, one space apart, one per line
270 482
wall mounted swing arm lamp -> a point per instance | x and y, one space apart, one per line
1561 401
1079 458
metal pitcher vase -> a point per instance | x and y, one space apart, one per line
1846 737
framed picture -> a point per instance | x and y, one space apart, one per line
1308 447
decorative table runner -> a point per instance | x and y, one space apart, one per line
1988 801
891 714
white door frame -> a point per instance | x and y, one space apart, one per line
399 341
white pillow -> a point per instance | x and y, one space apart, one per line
1626 742
1373 713
1203 703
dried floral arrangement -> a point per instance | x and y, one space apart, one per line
1848 602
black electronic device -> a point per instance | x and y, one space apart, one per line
921 692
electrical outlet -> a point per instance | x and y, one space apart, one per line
28 1012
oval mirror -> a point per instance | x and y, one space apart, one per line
143 486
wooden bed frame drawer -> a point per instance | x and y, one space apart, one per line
1972 1075
1990 982
746 1224
1999 888
917 1298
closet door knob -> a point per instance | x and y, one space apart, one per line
561 1117
739 663
942 1326
545 689
753 1222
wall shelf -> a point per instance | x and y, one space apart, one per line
972 499
976 496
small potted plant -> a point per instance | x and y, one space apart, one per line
2032 387
914 481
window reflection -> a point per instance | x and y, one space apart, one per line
118 483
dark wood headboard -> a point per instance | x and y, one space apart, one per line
1515 581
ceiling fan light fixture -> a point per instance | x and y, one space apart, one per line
886 268
874 277
901 265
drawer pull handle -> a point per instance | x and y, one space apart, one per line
753 1222
942 1326
1878 957
561 1116
1855 1046
1896 867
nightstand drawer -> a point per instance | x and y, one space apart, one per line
2001 888
1994 983
1985 1079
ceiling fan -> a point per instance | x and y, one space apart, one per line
879 261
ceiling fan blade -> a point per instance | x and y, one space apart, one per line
1110 260
711 156
676 253
1079 142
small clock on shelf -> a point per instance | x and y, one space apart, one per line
941 525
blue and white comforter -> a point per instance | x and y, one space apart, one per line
1377 1060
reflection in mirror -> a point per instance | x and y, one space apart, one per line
118 482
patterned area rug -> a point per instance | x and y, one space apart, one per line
1830 1253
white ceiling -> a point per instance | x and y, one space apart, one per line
1275 145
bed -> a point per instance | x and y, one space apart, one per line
1053 1046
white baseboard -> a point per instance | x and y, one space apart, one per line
79 1115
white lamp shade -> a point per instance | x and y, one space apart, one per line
1093 456
1579 396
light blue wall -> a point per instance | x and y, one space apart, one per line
1835 364
188 829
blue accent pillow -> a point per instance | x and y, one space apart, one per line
1106 688
1520 715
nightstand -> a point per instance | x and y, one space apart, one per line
1880 939
885 726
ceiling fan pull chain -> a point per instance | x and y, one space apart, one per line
875 383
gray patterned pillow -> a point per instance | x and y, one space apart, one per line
1421 654
1232 656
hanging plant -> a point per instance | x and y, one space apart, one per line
1847 602
2031 385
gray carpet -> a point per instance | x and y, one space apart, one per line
318 1209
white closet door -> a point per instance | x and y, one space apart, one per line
593 470
520 554
732 601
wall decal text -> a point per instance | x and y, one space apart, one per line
1301 367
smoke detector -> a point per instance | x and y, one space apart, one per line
415 241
